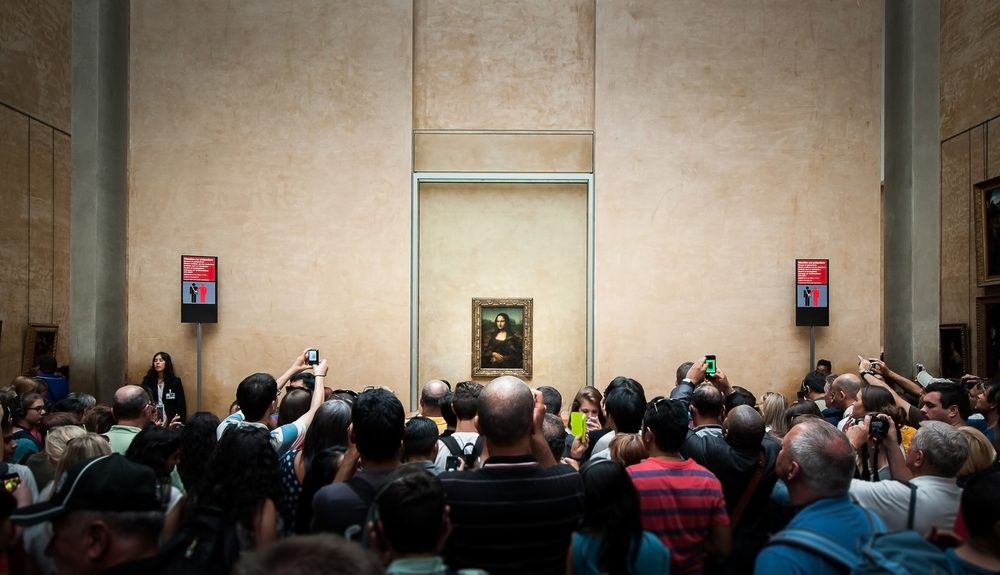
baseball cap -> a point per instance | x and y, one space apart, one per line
925 379
107 483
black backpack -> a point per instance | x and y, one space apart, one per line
207 544
470 458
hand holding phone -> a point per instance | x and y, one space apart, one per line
710 367
451 463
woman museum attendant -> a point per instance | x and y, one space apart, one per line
165 387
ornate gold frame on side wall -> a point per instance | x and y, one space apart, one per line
40 339
986 204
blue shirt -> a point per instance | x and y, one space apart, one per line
653 557
58 387
835 518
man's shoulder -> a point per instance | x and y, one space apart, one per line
866 491
788 559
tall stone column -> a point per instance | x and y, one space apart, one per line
912 156
99 196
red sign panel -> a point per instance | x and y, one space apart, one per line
198 268
811 271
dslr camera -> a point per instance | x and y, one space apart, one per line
878 427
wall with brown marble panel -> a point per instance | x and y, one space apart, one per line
970 152
970 66
34 164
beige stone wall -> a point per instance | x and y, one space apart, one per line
275 135
729 139
511 65
970 154
732 138
34 175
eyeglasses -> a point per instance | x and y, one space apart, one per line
39 408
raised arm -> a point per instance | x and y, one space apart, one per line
300 364
539 447
319 394
906 384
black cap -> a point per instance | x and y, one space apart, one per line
108 483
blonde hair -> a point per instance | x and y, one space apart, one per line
981 453
772 408
627 449
23 384
77 449
57 438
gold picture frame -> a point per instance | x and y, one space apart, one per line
40 339
988 336
986 204
501 337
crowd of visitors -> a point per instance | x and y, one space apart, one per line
497 478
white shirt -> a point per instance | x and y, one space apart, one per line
466 439
937 502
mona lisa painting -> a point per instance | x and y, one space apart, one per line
501 337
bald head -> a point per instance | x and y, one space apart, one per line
129 406
845 389
505 410
743 427
430 397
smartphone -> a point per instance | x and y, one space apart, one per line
312 356
451 463
11 481
161 412
577 423
709 365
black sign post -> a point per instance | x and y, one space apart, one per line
199 298
812 299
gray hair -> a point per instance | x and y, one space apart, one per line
945 448
824 455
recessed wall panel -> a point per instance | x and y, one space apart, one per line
499 240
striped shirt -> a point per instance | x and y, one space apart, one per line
679 501
512 516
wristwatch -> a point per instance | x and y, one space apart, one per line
688 381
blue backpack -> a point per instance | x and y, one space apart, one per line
897 553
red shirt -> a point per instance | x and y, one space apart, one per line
679 500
